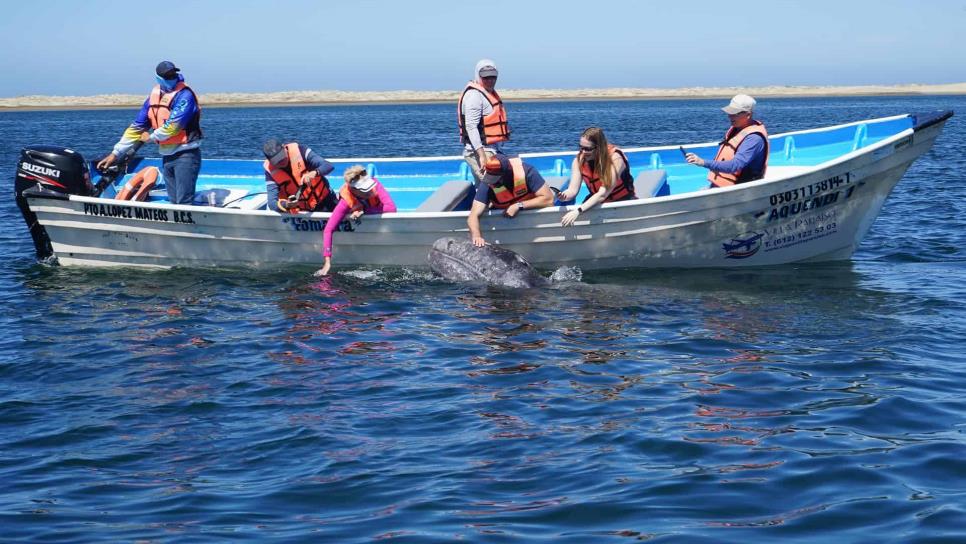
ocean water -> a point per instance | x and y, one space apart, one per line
820 403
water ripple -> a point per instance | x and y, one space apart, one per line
801 404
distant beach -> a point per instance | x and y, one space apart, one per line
331 97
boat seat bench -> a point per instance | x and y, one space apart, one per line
447 197
650 183
557 182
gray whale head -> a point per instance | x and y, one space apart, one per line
457 259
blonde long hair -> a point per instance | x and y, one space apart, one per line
602 164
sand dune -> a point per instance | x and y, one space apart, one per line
368 97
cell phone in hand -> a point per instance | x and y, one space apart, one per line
683 152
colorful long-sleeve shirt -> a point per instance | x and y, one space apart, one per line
386 205
184 108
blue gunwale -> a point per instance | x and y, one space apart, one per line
412 180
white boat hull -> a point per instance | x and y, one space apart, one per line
821 214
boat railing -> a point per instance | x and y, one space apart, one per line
861 135
789 150
464 173
559 167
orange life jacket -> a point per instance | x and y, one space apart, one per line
493 127
504 198
353 201
140 184
624 186
727 150
288 184
159 110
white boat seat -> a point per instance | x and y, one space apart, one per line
649 182
237 198
251 202
219 197
446 197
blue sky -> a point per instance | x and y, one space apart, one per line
100 46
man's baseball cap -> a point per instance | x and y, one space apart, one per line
274 151
740 103
495 166
166 69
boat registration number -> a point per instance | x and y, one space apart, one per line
812 189
811 197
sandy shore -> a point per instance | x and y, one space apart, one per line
289 98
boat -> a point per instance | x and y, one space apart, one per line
823 190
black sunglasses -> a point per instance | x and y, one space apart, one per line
587 149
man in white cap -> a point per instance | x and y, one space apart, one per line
482 117
743 154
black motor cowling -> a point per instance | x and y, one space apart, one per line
51 170
55 168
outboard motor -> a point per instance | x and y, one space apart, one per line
54 171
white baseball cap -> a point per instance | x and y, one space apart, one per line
740 103
363 183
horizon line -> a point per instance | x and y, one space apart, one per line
337 97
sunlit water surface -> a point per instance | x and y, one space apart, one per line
797 403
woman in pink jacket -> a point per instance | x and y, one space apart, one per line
361 194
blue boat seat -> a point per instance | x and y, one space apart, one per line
650 183
447 197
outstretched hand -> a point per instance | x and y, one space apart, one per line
569 218
324 271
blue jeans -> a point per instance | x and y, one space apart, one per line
181 175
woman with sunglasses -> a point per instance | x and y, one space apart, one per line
361 194
603 168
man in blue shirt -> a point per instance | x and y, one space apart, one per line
171 116
508 184
743 154
284 177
